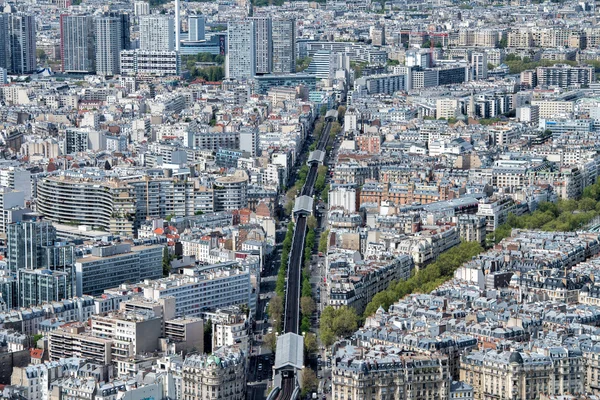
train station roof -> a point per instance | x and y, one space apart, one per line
316 156
303 205
290 351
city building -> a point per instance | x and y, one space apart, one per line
112 265
216 375
241 46
112 36
157 33
264 44
196 28
564 76
284 46
21 43
147 64
231 192
77 43
202 289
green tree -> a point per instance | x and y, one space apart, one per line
270 340
275 310
323 110
310 343
311 222
302 63
310 383
36 338
166 261
341 113
323 241
325 193
305 324
307 306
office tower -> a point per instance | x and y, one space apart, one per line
157 33
241 61
109 43
479 63
26 243
141 8
77 43
125 28
4 43
196 26
44 286
284 46
263 44
21 51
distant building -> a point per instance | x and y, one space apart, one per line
284 46
241 46
264 44
77 43
157 33
21 43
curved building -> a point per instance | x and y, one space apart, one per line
231 192
102 205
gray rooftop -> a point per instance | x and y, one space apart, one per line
304 204
290 351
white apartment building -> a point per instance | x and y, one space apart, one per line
157 33
241 45
204 288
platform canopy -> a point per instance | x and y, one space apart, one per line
290 351
303 205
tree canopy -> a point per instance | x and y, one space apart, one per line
426 279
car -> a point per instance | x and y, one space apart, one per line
260 367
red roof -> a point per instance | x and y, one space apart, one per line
36 353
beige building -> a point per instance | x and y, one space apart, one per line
523 375
217 376
383 372
446 108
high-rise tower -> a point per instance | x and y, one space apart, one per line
241 56
263 44
77 43
284 46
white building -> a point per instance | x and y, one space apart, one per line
241 44
141 8
479 65
196 28
204 288
344 198
157 33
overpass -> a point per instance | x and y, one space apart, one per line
289 382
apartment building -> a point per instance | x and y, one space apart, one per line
230 327
523 374
204 288
112 265
72 340
384 372
564 76
215 376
